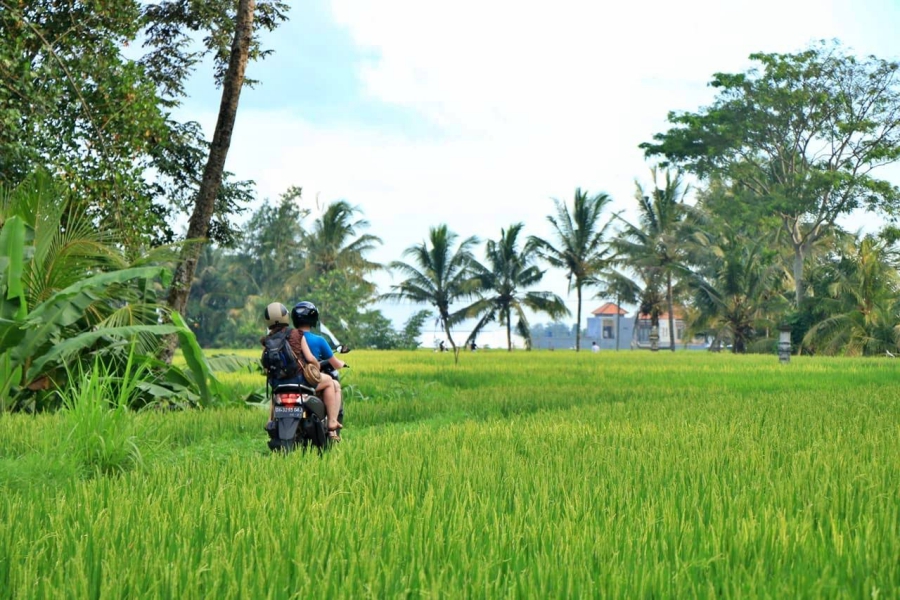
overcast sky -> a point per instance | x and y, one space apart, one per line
476 113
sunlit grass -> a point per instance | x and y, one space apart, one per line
538 475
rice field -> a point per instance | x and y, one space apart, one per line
523 475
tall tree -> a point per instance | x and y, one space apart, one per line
440 275
580 247
804 133
198 226
502 282
656 244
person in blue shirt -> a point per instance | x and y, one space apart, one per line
305 316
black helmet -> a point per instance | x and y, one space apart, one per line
275 313
305 313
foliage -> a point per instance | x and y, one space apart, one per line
374 330
863 310
736 289
655 246
580 247
501 284
803 134
103 438
70 296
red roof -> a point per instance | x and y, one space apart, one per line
609 309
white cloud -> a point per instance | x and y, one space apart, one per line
533 99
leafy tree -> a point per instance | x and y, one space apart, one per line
656 244
803 133
580 246
440 275
502 284
72 104
376 331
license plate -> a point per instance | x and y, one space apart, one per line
283 412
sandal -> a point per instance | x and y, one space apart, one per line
333 435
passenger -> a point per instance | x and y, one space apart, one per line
314 348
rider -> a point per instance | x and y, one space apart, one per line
304 316
277 318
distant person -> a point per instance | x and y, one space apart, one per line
473 347
442 347
594 346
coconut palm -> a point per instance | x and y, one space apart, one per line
334 242
737 287
864 306
501 283
580 246
439 275
655 244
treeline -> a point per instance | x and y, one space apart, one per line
87 99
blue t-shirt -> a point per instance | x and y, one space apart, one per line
318 346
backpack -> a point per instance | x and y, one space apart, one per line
278 359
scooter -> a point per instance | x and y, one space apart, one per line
299 417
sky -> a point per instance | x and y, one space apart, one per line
478 113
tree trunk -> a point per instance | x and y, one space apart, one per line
578 321
618 299
450 339
508 333
798 274
671 310
198 227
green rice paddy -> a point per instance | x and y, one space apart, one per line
523 475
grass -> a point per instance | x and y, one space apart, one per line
545 474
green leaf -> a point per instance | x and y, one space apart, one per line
67 349
193 355
67 306
12 264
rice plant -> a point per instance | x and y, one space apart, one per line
530 475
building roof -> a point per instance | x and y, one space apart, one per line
608 309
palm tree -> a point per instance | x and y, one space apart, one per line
332 244
656 243
439 276
581 248
864 302
510 269
737 288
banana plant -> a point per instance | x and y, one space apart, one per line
67 294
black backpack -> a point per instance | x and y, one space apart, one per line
278 359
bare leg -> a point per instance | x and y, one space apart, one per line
332 404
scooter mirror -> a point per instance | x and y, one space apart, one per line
342 349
